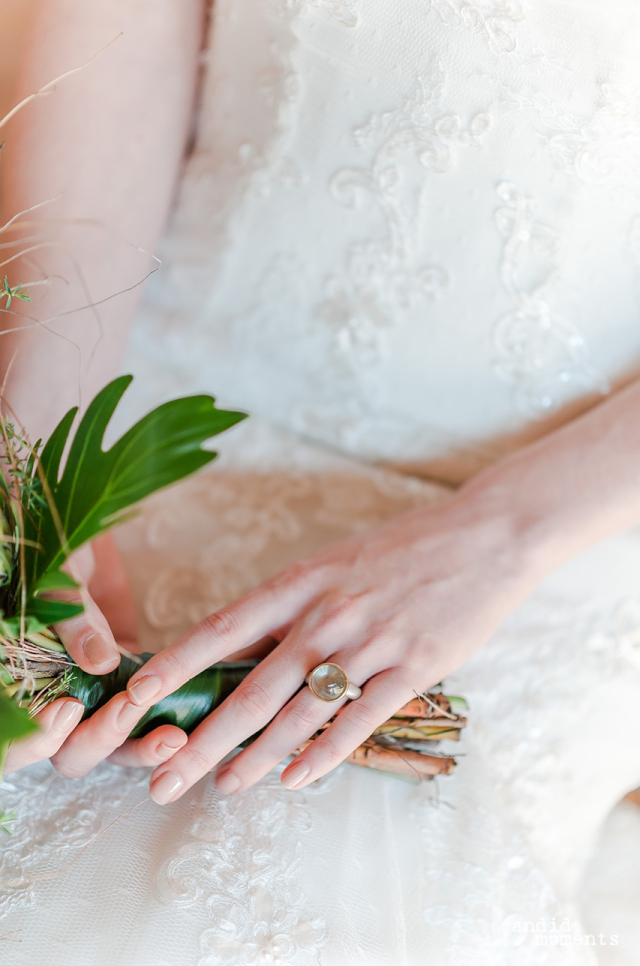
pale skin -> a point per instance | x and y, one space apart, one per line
399 608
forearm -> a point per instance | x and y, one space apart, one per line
106 143
572 488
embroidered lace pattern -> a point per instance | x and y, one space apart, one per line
398 182
540 353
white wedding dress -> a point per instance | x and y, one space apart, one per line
407 240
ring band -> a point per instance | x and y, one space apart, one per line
329 682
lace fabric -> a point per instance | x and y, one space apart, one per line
358 868
407 232
454 168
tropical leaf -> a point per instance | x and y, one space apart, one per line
96 486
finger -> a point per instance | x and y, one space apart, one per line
301 717
248 709
97 737
296 722
159 745
381 697
226 631
56 722
88 637
252 705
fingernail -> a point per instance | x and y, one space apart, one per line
296 774
128 716
165 787
165 751
68 715
227 783
99 652
144 690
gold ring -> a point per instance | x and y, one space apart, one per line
329 682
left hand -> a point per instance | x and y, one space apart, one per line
398 608
94 639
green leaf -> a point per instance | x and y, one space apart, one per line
15 721
96 486
52 453
55 580
11 628
48 612
6 821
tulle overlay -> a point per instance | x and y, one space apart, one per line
407 239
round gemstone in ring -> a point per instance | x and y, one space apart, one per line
329 682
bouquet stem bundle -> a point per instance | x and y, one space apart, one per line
401 746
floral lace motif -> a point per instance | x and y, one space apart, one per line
384 276
498 22
55 820
241 862
601 147
495 20
536 350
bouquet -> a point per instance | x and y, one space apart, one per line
48 511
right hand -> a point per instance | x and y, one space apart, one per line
90 638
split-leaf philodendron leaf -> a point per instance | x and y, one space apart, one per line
96 486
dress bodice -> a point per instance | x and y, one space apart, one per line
410 229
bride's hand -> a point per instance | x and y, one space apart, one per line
398 608
90 638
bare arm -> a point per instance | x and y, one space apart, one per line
107 143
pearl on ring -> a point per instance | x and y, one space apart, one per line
329 682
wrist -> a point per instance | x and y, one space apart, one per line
537 530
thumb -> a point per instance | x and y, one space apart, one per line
87 636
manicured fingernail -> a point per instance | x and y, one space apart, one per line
165 751
99 652
144 690
165 787
128 716
68 715
227 783
296 774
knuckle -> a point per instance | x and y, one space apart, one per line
221 625
300 718
174 664
335 611
362 715
302 571
422 654
331 750
406 676
283 579
253 700
198 759
74 631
